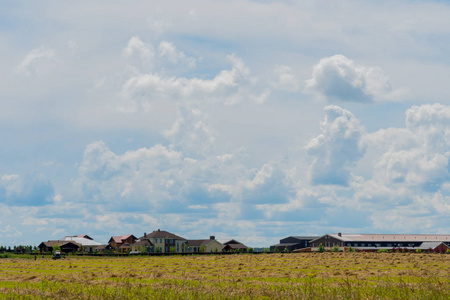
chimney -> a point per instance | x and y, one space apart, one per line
159 230
145 234
340 234
212 237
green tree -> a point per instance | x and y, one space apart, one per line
350 249
56 247
321 248
201 249
418 250
276 249
335 248
172 249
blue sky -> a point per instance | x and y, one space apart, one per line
251 120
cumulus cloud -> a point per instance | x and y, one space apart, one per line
337 149
417 155
31 189
224 86
191 132
169 51
136 47
339 78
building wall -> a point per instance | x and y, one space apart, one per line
327 241
212 246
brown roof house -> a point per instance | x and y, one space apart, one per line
116 242
165 242
209 245
233 245
66 246
142 246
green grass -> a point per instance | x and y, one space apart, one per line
267 276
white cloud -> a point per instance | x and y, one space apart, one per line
337 149
36 61
224 87
286 79
137 47
191 132
339 78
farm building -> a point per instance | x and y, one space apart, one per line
116 242
209 245
66 246
292 243
88 244
142 246
164 241
233 245
373 242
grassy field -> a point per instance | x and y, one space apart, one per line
264 276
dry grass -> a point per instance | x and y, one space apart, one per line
265 276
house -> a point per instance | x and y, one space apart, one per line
292 243
233 245
117 241
209 245
66 246
373 242
87 243
142 246
102 249
164 241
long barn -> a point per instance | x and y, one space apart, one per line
367 242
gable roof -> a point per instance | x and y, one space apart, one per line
232 242
144 242
431 245
161 234
199 243
235 246
121 238
50 244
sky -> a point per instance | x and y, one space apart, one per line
252 120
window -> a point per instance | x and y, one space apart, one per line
160 240
389 244
363 244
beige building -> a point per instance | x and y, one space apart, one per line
164 241
210 245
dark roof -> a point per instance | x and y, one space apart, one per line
198 243
285 245
50 244
102 247
161 234
302 237
232 242
143 243
236 246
